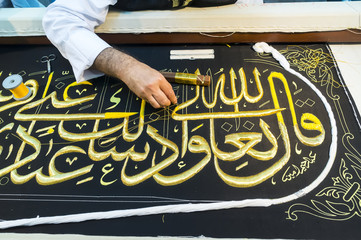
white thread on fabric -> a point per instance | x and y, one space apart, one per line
356 31
217 36
179 208
263 47
200 207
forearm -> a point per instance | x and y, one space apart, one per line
114 63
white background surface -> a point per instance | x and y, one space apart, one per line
240 17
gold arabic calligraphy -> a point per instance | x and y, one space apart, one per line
158 151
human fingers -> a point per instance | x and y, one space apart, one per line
161 98
167 89
154 103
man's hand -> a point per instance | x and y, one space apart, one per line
144 81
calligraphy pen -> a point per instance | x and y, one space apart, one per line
187 78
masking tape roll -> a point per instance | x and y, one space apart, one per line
14 83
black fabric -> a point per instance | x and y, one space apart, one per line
36 146
211 3
137 5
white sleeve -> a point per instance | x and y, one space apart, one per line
69 25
